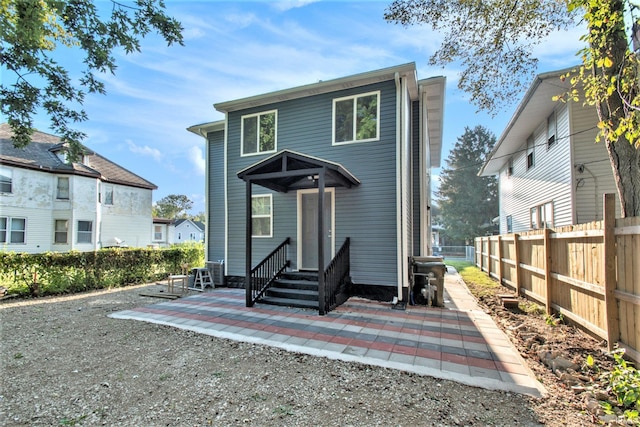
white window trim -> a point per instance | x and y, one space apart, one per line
354 98
275 136
540 212
84 232
55 231
270 216
9 230
58 188
9 171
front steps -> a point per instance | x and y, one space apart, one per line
294 289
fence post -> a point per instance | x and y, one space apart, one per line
547 267
610 263
488 256
516 254
499 260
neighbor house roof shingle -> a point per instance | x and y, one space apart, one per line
40 154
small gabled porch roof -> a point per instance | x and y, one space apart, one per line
288 170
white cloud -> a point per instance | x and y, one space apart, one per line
196 157
291 4
144 150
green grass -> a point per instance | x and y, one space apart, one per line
478 282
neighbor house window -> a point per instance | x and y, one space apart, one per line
530 152
157 232
551 129
108 194
62 188
6 180
13 230
261 218
192 236
85 231
259 133
541 216
61 231
509 223
355 118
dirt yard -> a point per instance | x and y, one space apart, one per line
64 362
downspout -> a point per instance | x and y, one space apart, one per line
399 219
206 193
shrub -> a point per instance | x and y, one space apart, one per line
54 273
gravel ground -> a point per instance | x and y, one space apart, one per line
64 362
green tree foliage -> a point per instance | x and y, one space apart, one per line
32 80
467 201
173 206
494 41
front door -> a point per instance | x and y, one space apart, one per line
308 228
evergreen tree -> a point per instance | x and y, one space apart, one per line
467 201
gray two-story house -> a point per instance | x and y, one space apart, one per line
366 141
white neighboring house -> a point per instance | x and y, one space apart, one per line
48 204
185 230
551 173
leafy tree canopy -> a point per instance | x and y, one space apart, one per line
494 41
32 31
468 202
173 206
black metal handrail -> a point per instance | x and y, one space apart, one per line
266 272
338 270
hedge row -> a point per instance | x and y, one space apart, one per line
55 273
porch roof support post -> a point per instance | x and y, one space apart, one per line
249 233
321 231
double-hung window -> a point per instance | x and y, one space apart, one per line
61 231
157 232
13 230
259 133
108 194
261 218
6 180
62 188
85 231
356 118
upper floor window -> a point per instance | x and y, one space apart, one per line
108 194
261 218
192 236
541 216
259 133
6 180
13 230
62 188
509 223
551 129
61 231
530 152
85 231
355 118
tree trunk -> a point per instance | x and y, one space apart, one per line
624 157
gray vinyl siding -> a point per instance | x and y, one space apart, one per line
549 180
596 178
415 180
216 214
366 214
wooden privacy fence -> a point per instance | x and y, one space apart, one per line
589 273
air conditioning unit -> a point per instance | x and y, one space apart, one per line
216 269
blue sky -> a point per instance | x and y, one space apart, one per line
238 49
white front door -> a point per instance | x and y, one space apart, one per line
308 228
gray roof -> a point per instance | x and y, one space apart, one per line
40 155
